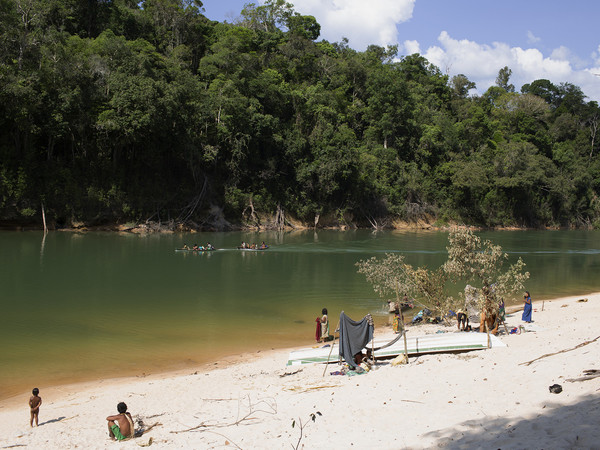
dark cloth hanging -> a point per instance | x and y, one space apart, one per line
354 336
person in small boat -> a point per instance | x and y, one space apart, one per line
263 245
120 426
253 246
185 247
209 246
195 247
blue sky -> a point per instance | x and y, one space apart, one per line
552 39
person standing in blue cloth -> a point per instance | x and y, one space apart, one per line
526 317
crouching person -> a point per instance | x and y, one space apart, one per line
120 426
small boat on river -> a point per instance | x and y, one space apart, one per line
196 249
253 247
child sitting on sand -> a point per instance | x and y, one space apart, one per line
35 401
120 427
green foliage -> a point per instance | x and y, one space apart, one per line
481 262
116 110
470 260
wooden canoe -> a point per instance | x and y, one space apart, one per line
430 343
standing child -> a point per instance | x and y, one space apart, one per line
35 401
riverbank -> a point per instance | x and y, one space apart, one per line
168 227
489 398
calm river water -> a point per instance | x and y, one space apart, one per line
88 306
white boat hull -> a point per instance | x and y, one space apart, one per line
431 343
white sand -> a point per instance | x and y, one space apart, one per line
478 399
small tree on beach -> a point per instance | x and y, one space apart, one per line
392 276
387 276
470 260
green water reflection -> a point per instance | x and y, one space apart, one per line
84 306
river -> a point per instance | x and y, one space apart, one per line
85 306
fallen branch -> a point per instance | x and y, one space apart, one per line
289 373
561 351
589 375
585 378
303 389
249 416
193 428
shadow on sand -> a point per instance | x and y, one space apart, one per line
52 420
555 426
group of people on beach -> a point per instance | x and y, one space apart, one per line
463 318
395 308
120 426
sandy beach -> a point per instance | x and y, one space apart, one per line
480 399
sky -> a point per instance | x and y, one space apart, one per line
553 39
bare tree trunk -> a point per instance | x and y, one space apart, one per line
280 218
44 219
593 131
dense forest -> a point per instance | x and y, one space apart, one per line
120 111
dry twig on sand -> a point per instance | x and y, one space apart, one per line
561 351
289 373
270 403
590 374
312 388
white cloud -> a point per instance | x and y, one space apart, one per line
363 23
531 38
411 47
481 63
561 53
375 21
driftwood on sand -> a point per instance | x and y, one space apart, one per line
560 351
590 374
